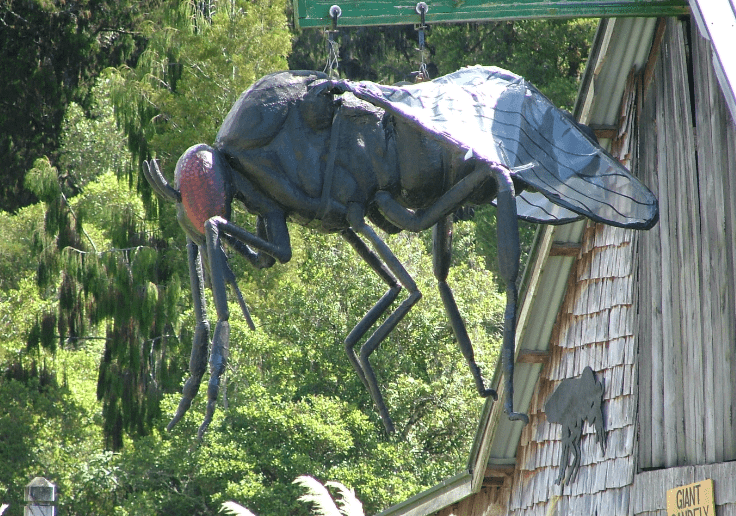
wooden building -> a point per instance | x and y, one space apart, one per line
652 313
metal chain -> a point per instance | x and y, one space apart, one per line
421 10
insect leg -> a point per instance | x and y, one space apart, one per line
259 259
564 456
278 244
378 309
575 452
356 219
221 336
198 358
420 220
509 251
441 254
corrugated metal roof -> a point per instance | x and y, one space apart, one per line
625 45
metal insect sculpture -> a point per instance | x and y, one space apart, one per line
574 401
333 154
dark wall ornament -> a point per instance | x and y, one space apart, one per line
335 155
575 401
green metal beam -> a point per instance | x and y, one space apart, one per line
315 13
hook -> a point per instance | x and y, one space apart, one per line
335 13
332 47
421 10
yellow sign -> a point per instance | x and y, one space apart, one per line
692 500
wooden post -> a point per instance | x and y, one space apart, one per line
40 495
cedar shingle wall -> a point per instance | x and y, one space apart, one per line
595 328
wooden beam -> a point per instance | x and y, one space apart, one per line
654 53
604 131
527 356
315 13
564 249
495 474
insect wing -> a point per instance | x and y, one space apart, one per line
500 117
535 207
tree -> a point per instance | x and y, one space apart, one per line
551 54
112 276
50 54
193 69
132 289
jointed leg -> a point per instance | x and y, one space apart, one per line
357 222
565 456
508 245
576 454
216 229
441 255
420 220
198 359
378 309
507 228
219 275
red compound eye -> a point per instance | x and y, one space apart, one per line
202 186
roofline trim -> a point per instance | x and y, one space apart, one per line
435 498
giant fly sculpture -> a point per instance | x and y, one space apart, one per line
333 154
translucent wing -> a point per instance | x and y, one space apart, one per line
498 116
535 207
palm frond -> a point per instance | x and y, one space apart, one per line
235 509
349 504
318 495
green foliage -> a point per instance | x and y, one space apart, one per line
50 53
192 71
18 232
551 54
48 427
43 180
97 311
250 455
317 495
91 143
130 292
